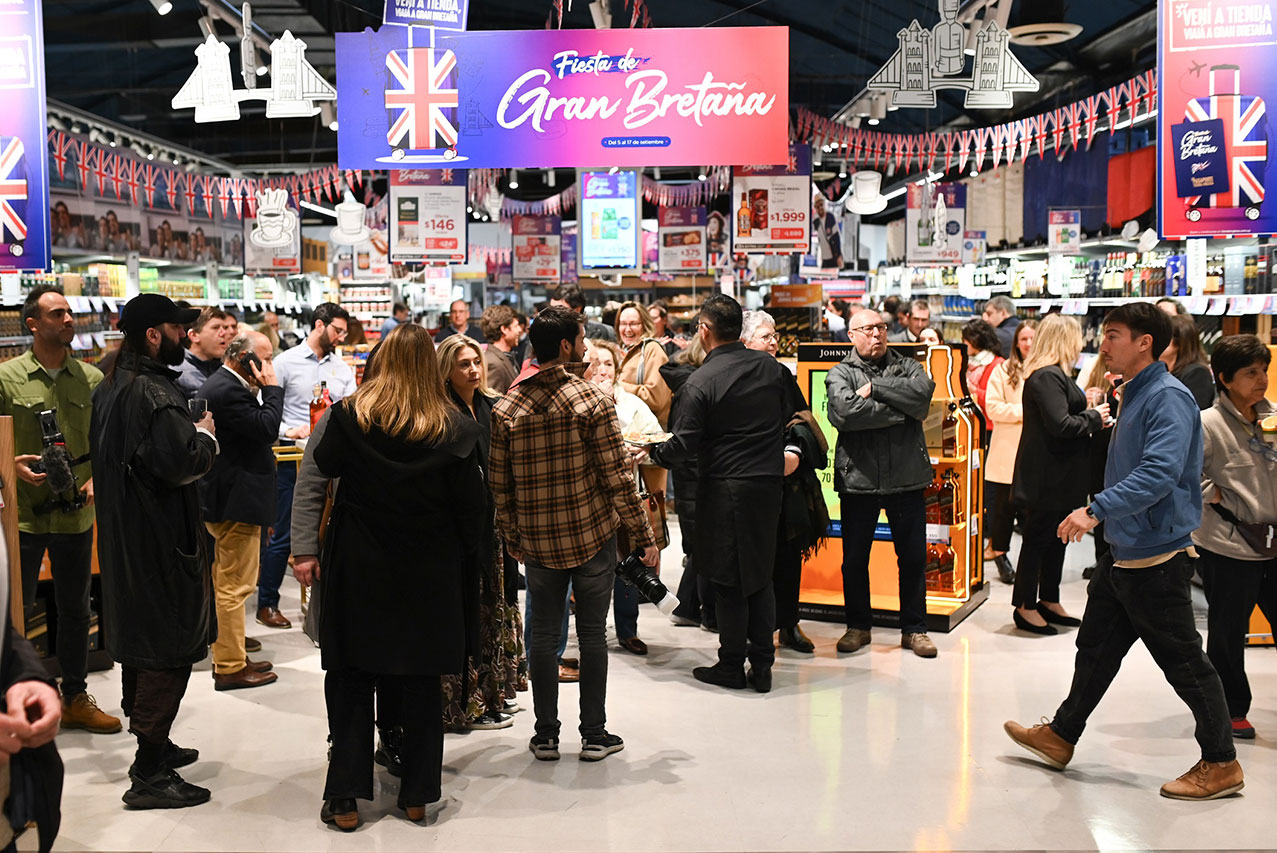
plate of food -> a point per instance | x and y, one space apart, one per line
646 439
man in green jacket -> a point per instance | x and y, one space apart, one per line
47 377
878 400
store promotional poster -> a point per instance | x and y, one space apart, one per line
443 14
681 235
546 98
1217 69
428 222
24 166
1064 231
609 222
935 224
273 237
536 246
771 204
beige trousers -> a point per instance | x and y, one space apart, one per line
235 567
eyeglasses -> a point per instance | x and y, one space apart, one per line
1262 447
769 338
879 328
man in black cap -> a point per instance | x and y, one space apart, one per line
147 457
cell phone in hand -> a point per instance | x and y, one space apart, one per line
248 361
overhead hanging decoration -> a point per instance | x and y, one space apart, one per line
1131 101
930 60
295 84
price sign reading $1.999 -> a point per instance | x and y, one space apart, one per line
771 205
428 215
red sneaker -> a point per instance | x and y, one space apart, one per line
1242 729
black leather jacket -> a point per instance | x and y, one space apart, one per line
147 457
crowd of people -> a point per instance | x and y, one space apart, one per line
555 447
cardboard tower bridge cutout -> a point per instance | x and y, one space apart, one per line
933 59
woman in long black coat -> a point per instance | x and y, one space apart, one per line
397 569
1051 465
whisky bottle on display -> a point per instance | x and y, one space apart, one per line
744 218
319 402
931 501
950 509
949 432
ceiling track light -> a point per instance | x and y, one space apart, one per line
514 179
328 114
702 176
551 178
162 6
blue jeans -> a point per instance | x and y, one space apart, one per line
275 550
625 609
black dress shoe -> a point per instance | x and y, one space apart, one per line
733 678
343 813
1056 619
1006 572
1025 625
794 638
760 678
164 790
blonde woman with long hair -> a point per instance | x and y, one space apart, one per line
1051 467
640 370
498 667
1004 405
395 613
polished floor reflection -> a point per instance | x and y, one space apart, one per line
875 751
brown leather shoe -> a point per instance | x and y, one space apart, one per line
567 675
852 640
251 645
634 646
1042 741
272 618
82 712
1208 780
259 665
245 678
919 644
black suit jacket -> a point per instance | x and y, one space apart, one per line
241 486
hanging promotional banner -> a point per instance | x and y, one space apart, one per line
24 162
1216 64
771 205
609 222
535 241
444 14
1064 231
935 222
681 236
428 215
546 98
273 237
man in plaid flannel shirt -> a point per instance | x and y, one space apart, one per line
562 483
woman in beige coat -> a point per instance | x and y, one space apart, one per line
1004 408
641 370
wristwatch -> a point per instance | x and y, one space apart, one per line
1090 513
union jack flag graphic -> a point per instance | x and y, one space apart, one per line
13 190
427 98
1245 138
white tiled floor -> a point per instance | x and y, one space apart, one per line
876 751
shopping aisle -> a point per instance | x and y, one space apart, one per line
877 751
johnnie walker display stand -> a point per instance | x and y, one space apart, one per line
955 528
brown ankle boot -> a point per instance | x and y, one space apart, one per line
1207 780
1042 741
82 712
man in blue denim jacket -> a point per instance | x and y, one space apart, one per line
1150 505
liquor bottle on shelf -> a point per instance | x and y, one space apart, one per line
949 432
931 501
1250 274
744 218
319 402
950 505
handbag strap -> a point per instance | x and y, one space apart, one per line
642 357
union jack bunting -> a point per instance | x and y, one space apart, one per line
100 170
1245 138
1092 118
1057 129
61 145
149 175
83 162
131 170
223 194
13 190
190 192
171 188
117 175
206 185
424 98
